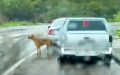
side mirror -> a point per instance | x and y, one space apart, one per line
48 26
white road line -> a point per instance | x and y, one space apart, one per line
12 68
0 42
1 37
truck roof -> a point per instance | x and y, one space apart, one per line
92 18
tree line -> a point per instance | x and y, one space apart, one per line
47 10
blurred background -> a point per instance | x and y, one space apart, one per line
33 11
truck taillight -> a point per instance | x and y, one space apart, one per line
51 32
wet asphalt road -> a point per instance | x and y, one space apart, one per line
13 48
14 45
46 67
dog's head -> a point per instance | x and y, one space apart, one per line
30 37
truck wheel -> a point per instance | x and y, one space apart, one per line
107 60
61 60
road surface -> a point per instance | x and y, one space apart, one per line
15 45
35 66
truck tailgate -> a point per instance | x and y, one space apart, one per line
86 41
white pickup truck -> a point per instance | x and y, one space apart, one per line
82 39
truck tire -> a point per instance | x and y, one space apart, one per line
61 60
107 60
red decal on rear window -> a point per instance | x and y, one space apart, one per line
85 24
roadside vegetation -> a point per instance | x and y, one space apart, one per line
23 12
118 33
16 23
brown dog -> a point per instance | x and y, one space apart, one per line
40 42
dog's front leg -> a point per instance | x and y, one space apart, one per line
38 52
49 53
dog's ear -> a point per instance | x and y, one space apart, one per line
32 35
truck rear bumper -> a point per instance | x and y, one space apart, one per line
80 59
86 53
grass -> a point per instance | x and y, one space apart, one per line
118 33
16 23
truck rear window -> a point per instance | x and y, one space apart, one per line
85 25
